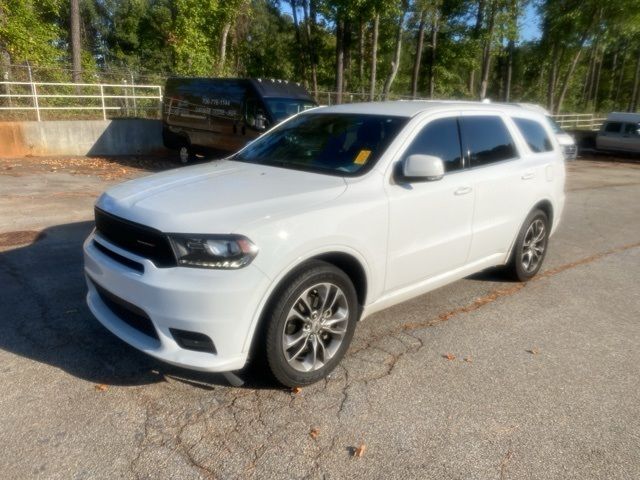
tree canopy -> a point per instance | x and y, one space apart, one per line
587 56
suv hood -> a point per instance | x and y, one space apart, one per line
218 197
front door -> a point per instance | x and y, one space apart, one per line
430 222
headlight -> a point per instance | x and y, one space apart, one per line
213 251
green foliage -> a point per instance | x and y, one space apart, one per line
28 30
185 37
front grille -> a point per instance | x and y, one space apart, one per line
138 267
135 238
127 312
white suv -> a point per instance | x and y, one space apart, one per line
331 216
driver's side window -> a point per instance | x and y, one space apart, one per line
439 138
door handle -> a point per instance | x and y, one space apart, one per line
462 191
528 175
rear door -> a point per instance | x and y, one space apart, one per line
502 179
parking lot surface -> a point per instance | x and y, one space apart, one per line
482 379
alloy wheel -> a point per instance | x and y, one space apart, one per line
315 327
534 245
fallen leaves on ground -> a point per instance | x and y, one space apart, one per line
296 390
449 356
108 168
314 432
358 452
101 387
533 351
468 359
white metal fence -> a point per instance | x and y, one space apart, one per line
53 100
580 121
42 99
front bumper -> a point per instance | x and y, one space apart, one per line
222 304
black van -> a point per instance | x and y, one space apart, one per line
224 114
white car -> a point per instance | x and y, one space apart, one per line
331 216
620 133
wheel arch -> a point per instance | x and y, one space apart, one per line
349 263
547 207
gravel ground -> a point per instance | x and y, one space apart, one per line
482 379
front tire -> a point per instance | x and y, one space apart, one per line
311 325
530 247
186 154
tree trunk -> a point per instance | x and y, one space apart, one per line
418 58
223 47
395 61
374 57
486 53
507 84
553 74
586 87
597 81
432 59
614 70
635 96
476 36
569 74
346 48
361 32
301 67
621 78
76 44
312 41
572 67
339 59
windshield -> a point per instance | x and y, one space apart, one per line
338 144
554 125
282 108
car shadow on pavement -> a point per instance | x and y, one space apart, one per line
44 317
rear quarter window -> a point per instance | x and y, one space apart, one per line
534 134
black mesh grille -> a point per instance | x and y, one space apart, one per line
128 313
135 238
119 258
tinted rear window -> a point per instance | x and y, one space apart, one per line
486 140
534 134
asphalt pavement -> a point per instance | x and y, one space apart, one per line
481 379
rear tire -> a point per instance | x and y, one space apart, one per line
311 325
530 247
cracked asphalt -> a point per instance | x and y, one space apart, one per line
482 379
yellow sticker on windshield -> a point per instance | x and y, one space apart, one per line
362 157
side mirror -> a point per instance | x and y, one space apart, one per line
423 168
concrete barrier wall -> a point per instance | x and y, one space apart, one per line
86 137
